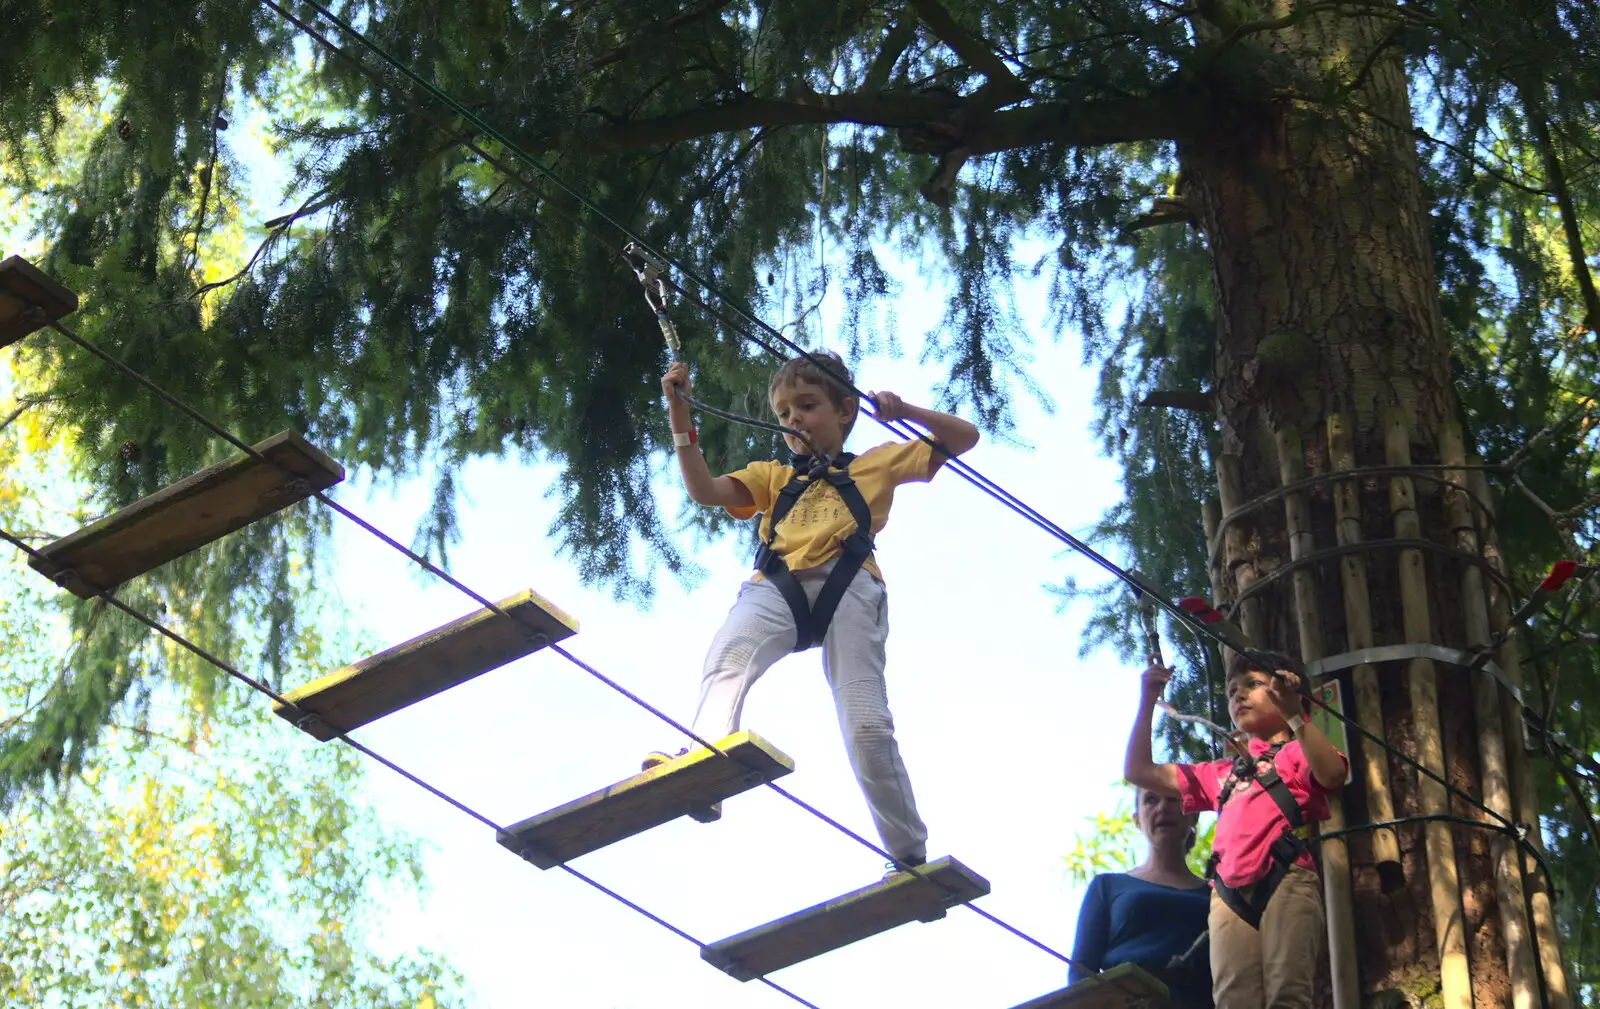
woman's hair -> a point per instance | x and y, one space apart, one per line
834 380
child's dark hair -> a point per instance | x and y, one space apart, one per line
1240 664
800 369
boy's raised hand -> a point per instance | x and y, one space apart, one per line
1154 679
677 377
1284 689
886 406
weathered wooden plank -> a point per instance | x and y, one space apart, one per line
922 895
29 300
1121 987
677 788
188 515
352 696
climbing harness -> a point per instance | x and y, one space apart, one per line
811 619
1221 632
1285 850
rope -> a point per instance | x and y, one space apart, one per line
965 470
390 541
109 596
589 205
962 468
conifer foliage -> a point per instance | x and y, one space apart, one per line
419 303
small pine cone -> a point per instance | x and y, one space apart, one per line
125 130
129 451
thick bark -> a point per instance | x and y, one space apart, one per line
1328 309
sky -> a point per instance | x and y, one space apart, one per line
1012 740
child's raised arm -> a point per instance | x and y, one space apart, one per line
1326 762
950 431
703 488
1139 766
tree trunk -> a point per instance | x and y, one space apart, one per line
1329 322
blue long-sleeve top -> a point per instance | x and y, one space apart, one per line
1125 919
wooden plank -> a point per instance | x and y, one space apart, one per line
188 515
352 696
23 288
680 787
1121 987
922 895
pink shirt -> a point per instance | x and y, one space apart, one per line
1252 821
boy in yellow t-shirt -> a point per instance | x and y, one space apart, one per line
790 603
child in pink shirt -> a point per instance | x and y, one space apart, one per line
1266 918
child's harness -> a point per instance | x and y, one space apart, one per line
811 619
1284 851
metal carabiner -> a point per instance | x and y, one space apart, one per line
651 271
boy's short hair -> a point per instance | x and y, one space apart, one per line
800 369
1239 664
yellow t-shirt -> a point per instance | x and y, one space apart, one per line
819 522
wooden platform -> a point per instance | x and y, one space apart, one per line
1124 986
23 287
188 515
677 788
903 897
352 696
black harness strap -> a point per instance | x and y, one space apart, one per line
1284 851
811 620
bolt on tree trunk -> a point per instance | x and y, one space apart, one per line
1328 321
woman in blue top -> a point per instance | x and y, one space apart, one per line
1153 913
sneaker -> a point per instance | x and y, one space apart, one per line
656 758
904 865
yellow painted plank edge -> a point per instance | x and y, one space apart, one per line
1124 985
398 677
677 788
922 895
112 535
22 287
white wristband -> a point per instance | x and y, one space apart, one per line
1296 723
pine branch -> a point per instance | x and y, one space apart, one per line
656 31
278 227
1521 455
1003 87
1556 183
1571 779
1174 399
900 36
1163 211
931 122
1426 137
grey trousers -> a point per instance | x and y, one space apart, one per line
760 630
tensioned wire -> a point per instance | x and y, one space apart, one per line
109 595
217 429
481 600
964 469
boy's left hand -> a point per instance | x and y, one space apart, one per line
887 406
1284 689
